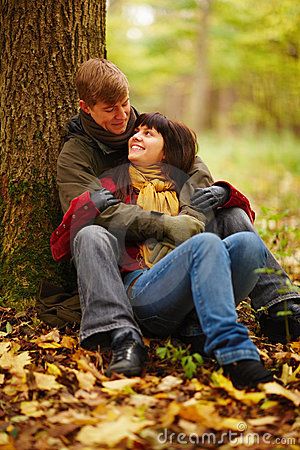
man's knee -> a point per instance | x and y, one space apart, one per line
232 220
94 235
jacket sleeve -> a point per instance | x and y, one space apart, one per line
75 172
236 198
199 177
81 212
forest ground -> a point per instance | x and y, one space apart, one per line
54 395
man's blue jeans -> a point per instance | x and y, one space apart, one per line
210 275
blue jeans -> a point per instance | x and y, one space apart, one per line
210 275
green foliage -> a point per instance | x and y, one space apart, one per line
253 56
188 362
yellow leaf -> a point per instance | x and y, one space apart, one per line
15 363
119 385
31 409
260 421
52 369
249 398
111 433
204 413
86 380
168 383
4 347
275 388
2 378
68 342
288 375
4 438
48 345
170 414
268 404
46 382
53 336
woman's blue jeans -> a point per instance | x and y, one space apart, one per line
210 275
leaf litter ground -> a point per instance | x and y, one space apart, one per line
54 395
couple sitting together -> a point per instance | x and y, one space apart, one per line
159 248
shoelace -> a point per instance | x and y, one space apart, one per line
124 351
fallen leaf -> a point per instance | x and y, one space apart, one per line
168 383
15 363
119 385
288 375
48 345
4 347
68 342
46 382
52 369
275 388
2 377
86 380
53 336
111 433
267 420
31 409
249 398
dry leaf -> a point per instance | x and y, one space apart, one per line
275 388
68 342
4 347
53 336
168 383
288 375
119 385
260 421
15 363
86 380
52 369
111 433
2 377
249 398
46 382
31 409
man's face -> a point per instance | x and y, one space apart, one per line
113 118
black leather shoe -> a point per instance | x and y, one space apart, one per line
247 373
128 357
274 326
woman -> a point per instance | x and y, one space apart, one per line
204 276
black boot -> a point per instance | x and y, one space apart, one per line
274 326
247 373
128 353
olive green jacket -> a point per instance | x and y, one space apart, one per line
83 161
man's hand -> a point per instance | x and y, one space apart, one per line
178 229
206 199
103 199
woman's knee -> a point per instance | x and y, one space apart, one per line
249 246
206 241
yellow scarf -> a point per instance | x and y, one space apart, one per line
155 194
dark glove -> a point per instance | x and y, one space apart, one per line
103 199
206 199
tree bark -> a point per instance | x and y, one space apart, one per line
200 92
42 44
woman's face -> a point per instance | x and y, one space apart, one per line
145 147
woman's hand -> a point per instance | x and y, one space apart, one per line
178 229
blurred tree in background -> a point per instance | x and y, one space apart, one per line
221 64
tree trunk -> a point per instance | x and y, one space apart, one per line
42 44
200 92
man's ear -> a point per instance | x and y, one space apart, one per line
84 107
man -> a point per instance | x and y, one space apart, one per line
97 141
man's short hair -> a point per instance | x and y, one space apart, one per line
100 80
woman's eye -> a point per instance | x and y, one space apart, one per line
109 110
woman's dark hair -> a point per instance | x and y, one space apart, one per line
180 143
180 148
